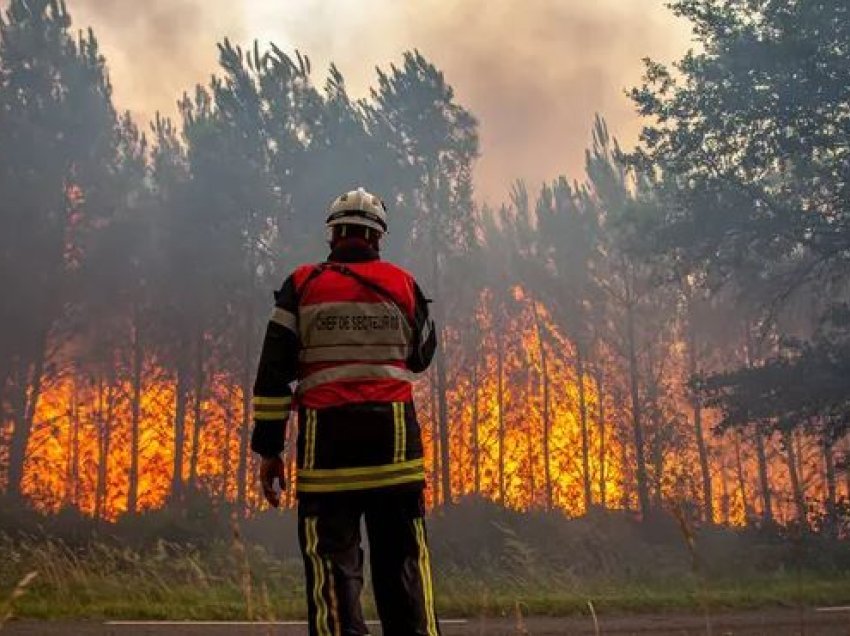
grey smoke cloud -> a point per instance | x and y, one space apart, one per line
156 49
534 72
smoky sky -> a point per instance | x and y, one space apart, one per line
534 72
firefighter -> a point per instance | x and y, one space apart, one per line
350 333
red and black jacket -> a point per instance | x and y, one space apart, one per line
350 333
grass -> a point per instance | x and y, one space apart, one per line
630 597
234 581
197 562
226 602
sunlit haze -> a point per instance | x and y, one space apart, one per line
534 73
553 389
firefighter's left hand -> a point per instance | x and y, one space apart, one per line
271 469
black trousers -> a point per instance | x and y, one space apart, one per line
329 534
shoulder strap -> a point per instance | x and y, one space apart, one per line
368 284
317 271
340 268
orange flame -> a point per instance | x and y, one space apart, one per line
80 450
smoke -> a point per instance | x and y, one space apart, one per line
534 73
158 49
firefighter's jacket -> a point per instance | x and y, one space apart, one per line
349 333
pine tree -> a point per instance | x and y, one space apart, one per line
436 142
57 137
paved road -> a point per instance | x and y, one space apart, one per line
769 622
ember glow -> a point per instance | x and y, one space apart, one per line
81 447
581 347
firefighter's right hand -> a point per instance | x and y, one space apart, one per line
271 469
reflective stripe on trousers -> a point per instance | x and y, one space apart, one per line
400 426
322 604
329 532
312 418
361 478
425 574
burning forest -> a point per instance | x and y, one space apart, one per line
599 350
639 393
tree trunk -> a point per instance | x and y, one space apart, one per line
69 458
99 426
180 400
831 487
793 474
724 494
72 469
764 482
847 469
544 371
105 412
198 414
657 454
244 432
20 434
442 424
585 436
29 392
705 468
529 440
500 363
107 443
800 455
225 452
696 403
637 423
435 442
742 482
600 405
476 447
751 355
135 418
443 409
4 381
626 496
461 459
249 362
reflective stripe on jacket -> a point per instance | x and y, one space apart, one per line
353 340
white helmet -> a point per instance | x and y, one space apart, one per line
358 207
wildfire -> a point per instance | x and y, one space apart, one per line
505 413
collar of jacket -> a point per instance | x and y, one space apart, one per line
353 252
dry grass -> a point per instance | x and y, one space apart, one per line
690 538
241 557
167 581
593 616
487 562
8 608
238 581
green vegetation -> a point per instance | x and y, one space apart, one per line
488 561
178 582
147 595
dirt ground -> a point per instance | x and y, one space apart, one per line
769 622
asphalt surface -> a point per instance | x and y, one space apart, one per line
770 622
